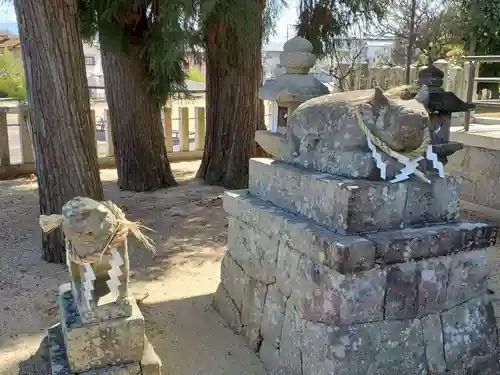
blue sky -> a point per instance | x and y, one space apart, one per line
7 13
288 16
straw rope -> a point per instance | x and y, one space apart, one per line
123 227
385 148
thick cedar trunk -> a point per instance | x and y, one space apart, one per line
59 109
135 115
233 108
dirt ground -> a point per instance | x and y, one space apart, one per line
191 234
491 114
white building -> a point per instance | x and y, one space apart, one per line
379 50
373 51
271 58
93 66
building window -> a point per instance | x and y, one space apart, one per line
89 60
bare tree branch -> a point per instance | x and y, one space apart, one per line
341 62
436 25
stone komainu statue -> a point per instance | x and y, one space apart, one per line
101 328
97 253
334 133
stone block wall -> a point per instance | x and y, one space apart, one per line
478 165
410 299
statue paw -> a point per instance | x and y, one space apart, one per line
270 142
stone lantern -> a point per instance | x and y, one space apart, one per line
440 106
295 85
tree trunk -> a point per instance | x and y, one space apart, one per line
59 110
135 115
234 110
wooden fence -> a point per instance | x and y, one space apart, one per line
17 157
184 130
456 77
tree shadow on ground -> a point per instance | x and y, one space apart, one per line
190 234
38 363
189 224
191 338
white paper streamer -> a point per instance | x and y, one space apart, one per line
432 156
378 159
88 283
115 272
409 168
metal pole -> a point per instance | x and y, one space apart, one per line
472 71
411 41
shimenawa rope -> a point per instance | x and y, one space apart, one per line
384 147
48 223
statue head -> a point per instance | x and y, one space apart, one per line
399 122
88 225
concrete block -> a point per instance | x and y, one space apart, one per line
435 202
226 307
349 206
468 278
402 291
60 365
470 334
345 206
150 362
342 253
394 347
403 245
323 295
254 250
272 315
434 346
96 345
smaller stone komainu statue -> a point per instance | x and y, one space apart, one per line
360 134
97 255
101 329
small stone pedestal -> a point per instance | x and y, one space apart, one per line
109 346
327 275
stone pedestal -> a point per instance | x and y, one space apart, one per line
102 346
325 275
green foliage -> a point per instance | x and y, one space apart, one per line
230 24
480 19
161 30
195 75
229 19
454 53
325 22
165 30
433 38
12 82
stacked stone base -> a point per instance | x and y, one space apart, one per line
312 301
109 346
